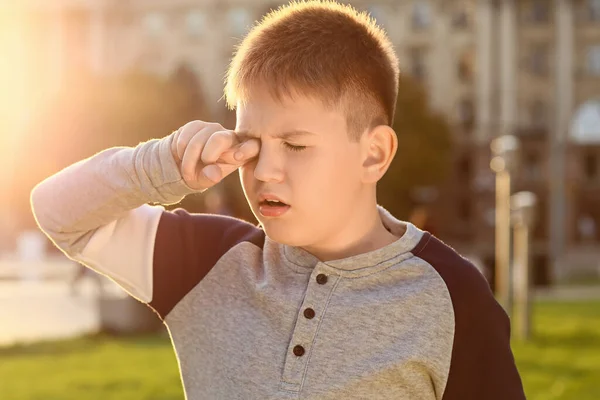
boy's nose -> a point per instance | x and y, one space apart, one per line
268 167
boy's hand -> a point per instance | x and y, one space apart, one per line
206 153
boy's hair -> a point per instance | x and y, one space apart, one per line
324 50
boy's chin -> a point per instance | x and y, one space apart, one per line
279 234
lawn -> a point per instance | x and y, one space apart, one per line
561 363
563 360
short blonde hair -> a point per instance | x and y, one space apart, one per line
324 50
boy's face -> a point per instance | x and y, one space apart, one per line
319 178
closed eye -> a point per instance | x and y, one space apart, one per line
293 148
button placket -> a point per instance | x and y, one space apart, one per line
318 291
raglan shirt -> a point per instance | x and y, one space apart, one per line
250 318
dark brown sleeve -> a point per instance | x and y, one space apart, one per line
482 364
187 246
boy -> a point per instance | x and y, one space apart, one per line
330 297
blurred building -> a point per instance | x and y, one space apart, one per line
527 68
524 67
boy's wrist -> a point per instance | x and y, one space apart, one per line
165 175
173 143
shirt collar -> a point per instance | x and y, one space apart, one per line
409 234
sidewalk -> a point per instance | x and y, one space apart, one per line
569 293
52 267
33 311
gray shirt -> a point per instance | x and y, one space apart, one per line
250 318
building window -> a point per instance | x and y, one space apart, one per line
466 114
421 15
417 63
195 22
539 60
378 14
586 227
149 59
593 10
460 19
539 12
590 167
531 168
593 60
465 67
154 23
465 169
537 114
465 209
240 21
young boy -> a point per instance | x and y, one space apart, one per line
330 297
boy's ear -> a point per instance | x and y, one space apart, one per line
379 146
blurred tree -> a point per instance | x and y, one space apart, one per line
424 150
103 112
113 111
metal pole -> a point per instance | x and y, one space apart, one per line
557 209
566 65
503 240
522 281
523 206
505 151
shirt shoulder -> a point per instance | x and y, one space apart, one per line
464 281
186 248
482 364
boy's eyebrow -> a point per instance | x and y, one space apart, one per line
245 135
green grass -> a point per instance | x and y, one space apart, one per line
562 362
91 368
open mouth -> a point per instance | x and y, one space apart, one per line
272 203
272 208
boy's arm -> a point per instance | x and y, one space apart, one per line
496 376
96 210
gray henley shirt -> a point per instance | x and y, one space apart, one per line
250 318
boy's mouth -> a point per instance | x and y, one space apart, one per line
272 203
272 208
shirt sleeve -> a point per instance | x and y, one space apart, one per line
104 211
497 374
122 250
482 363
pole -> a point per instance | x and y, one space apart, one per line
503 270
523 216
505 151
522 281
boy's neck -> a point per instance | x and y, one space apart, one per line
373 237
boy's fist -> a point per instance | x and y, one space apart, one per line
206 153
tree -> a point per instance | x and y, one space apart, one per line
424 149
103 112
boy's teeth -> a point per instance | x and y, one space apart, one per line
274 202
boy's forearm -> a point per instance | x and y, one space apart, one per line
100 189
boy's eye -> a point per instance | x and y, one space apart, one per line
293 148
